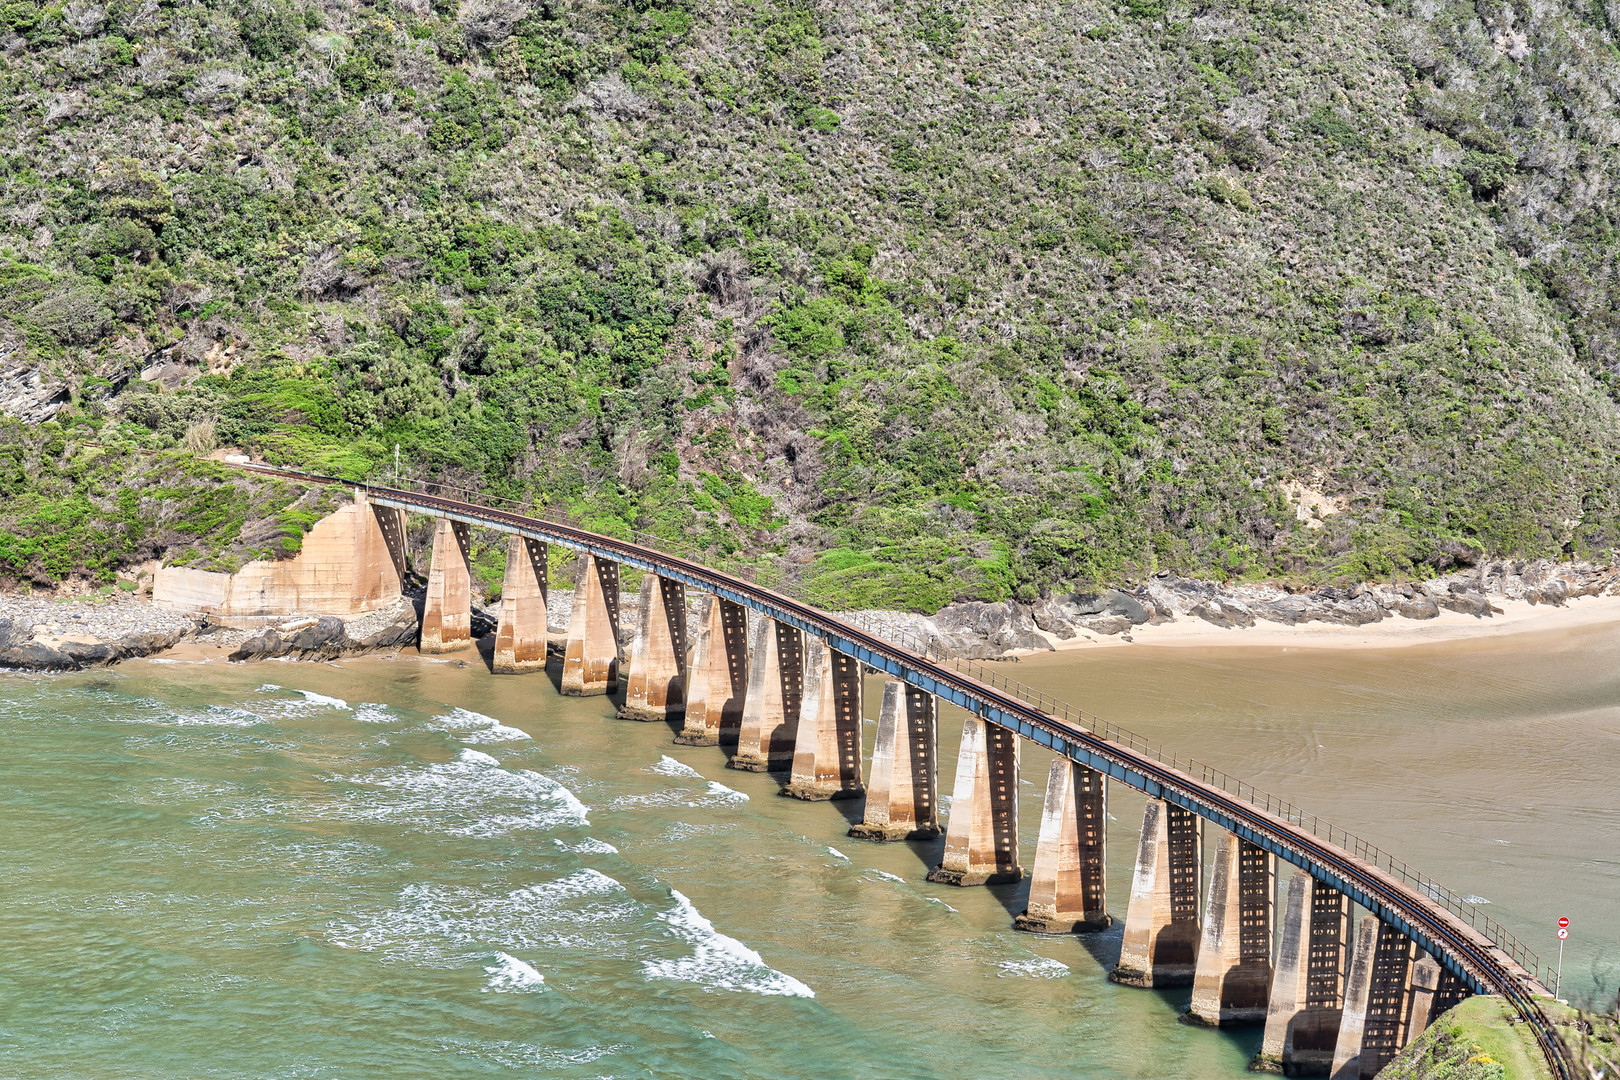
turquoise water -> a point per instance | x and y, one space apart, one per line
410 868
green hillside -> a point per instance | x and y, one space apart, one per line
913 301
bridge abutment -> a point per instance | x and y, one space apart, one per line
1307 987
902 797
657 684
827 747
716 673
981 837
447 607
1164 920
770 720
1232 983
591 662
520 643
1067 890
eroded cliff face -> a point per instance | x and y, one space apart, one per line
27 393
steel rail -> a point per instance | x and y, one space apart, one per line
1473 957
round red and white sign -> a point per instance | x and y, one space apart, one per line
1563 922
1563 932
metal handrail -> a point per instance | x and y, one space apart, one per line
1039 699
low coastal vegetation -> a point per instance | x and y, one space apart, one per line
1482 1039
907 303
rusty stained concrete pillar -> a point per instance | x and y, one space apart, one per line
1067 890
902 793
1420 999
1307 986
827 746
1386 1024
447 608
716 673
656 688
981 838
520 643
1163 923
1347 1051
1448 994
770 721
591 662
1232 983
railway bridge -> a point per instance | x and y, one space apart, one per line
715 654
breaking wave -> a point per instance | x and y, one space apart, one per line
718 962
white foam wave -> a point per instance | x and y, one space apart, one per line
886 876
471 796
475 727
588 846
668 766
1039 967
718 962
449 926
941 903
309 695
509 974
1475 900
370 712
717 794
835 853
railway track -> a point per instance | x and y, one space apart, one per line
1457 945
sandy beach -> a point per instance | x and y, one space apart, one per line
1516 617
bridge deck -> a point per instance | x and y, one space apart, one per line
1483 964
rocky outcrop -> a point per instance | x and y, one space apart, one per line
30 396
328 637
36 648
1109 612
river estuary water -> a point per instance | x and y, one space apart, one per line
407 868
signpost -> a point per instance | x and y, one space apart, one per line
1563 932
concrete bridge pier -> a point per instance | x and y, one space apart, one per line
716 672
827 747
657 685
1163 924
770 719
1448 994
591 662
447 609
1067 891
902 794
1307 988
520 643
1387 1000
981 838
1232 983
